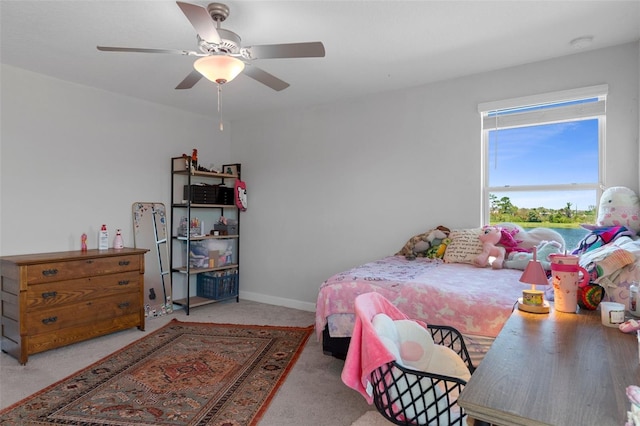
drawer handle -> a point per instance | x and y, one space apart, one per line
49 272
123 282
49 294
124 262
123 305
49 320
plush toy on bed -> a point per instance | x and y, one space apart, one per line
490 236
618 215
431 244
619 206
519 260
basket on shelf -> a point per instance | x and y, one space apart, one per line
218 285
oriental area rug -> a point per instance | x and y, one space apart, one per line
182 374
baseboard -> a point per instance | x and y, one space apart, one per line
278 301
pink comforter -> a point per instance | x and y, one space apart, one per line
474 300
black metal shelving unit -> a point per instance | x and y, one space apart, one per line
203 192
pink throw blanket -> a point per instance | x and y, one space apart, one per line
366 351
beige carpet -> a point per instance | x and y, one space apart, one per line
371 418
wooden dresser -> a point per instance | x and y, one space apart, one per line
55 299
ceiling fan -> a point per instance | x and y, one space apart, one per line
214 41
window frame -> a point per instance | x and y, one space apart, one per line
593 110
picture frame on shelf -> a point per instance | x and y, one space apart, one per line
230 169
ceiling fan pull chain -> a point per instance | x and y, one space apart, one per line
219 109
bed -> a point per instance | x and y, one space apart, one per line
453 291
448 290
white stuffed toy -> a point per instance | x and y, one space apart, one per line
619 206
520 260
414 348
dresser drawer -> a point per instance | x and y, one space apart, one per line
59 271
50 320
49 295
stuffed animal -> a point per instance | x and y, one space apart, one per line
422 245
508 240
519 260
490 236
437 250
618 215
619 206
528 239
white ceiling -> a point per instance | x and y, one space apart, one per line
371 46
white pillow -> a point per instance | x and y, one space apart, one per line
413 347
419 352
384 326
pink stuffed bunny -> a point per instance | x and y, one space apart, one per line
490 236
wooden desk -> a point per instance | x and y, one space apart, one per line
557 369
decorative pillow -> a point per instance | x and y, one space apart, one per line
432 400
419 352
464 247
385 327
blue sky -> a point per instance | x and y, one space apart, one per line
546 154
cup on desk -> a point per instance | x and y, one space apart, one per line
611 313
566 279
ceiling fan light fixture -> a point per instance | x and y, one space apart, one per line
219 68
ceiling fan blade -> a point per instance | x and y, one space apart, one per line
190 80
314 49
265 78
143 50
201 21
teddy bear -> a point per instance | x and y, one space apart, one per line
490 237
519 260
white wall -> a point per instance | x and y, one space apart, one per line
334 186
73 158
329 187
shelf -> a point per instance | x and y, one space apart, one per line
193 271
195 301
207 237
202 206
190 198
207 174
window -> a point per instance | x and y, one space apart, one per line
543 157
